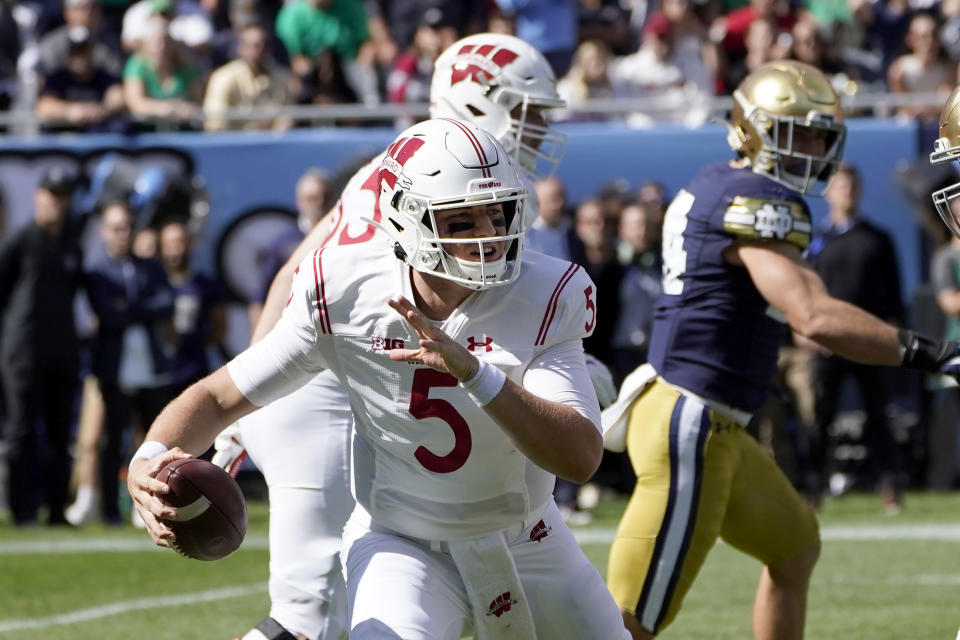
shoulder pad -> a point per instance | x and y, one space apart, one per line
767 219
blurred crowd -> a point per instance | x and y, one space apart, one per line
118 65
97 336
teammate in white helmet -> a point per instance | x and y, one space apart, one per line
503 85
463 361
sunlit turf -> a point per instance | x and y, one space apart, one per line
894 588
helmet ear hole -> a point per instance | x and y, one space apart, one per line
477 113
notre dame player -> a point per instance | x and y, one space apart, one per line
733 279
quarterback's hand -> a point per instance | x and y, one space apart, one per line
602 381
229 451
144 489
436 348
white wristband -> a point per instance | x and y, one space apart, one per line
149 449
485 384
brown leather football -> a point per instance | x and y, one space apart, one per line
212 514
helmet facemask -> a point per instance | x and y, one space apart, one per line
946 199
536 147
419 245
777 156
948 206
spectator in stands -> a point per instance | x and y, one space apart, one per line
639 253
761 47
588 78
607 21
240 15
924 68
158 82
252 81
134 303
314 196
409 80
693 52
392 25
55 47
146 243
858 264
653 196
190 24
730 30
199 316
39 351
499 22
943 461
551 232
80 96
807 44
549 25
653 72
309 28
594 248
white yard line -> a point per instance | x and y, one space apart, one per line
585 535
947 532
126 606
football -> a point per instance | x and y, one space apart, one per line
212 518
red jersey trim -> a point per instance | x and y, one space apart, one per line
551 311
321 294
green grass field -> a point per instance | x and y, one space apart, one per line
879 577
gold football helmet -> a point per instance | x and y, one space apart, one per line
788 123
947 148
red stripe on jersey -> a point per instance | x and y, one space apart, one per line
551 311
481 154
321 294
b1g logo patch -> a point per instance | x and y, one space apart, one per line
379 343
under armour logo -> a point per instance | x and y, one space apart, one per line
473 343
501 604
539 531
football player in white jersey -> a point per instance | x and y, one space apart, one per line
502 84
469 390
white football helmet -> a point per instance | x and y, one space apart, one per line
439 165
497 81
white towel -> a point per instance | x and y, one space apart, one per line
616 416
500 608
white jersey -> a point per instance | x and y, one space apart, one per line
428 461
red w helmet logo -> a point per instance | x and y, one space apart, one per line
478 65
397 156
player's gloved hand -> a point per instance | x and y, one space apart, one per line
229 452
936 356
602 381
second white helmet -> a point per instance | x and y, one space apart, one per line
501 83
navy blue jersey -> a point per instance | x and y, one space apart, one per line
713 332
